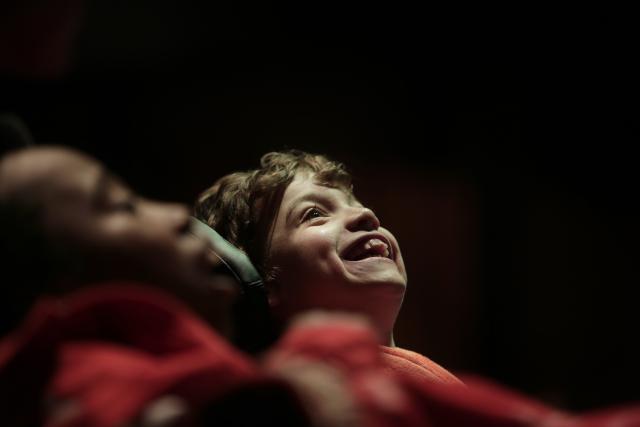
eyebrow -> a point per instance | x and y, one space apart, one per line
316 197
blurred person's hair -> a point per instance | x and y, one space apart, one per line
14 134
30 262
25 253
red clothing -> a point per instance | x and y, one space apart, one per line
99 357
483 403
352 350
479 402
106 352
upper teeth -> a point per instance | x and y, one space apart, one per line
373 247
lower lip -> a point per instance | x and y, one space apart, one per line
370 260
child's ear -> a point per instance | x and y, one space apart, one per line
272 287
273 293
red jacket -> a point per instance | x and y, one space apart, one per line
101 356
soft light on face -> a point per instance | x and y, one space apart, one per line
331 252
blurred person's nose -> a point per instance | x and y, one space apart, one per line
173 216
362 219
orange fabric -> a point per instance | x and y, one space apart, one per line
481 403
352 349
407 362
484 403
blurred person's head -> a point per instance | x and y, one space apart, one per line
315 244
66 221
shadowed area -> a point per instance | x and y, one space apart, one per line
498 150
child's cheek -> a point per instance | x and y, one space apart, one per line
321 240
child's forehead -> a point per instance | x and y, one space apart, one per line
309 186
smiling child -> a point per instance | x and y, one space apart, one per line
316 246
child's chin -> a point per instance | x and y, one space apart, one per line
373 266
387 276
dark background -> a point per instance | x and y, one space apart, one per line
496 144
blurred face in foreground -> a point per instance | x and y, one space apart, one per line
107 232
328 251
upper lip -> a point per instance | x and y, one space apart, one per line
349 248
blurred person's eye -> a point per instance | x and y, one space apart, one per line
126 205
111 195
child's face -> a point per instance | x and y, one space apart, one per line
330 252
112 233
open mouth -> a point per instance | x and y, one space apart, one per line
371 246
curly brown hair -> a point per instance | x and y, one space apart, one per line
242 206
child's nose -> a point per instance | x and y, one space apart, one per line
363 219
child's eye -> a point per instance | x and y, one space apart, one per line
312 213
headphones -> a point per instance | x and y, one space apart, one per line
236 263
253 324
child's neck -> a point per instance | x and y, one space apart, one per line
387 339
391 343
